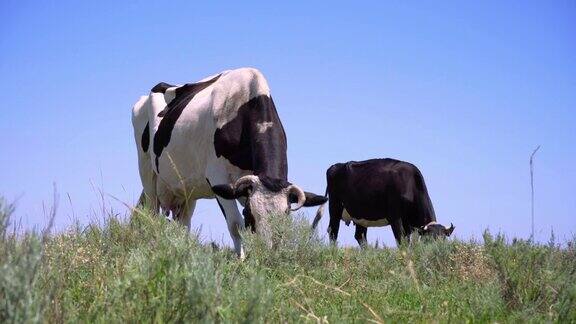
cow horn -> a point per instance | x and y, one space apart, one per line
294 189
244 183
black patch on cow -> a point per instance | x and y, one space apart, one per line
172 112
249 221
225 191
273 184
241 143
161 87
310 201
146 138
313 199
219 204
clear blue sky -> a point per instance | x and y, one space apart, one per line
464 91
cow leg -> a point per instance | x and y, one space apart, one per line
148 178
142 200
408 229
185 212
335 209
147 201
398 230
360 235
231 214
235 223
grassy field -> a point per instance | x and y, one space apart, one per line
150 270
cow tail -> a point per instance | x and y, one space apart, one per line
319 212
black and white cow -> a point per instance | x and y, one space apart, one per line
379 192
221 135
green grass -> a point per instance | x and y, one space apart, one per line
149 270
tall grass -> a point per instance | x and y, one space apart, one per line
148 270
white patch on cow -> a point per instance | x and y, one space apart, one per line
264 202
234 89
431 223
346 216
170 94
262 127
371 223
139 121
157 104
364 222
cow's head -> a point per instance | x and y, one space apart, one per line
267 197
436 230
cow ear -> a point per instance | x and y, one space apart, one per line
311 199
225 191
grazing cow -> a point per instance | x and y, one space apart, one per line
221 135
379 192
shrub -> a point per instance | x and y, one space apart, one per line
146 269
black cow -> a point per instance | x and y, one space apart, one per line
380 192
